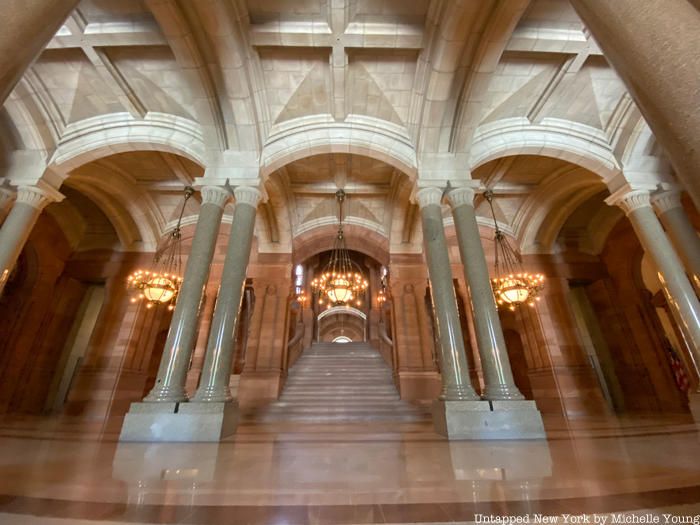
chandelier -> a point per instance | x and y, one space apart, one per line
339 282
160 285
511 285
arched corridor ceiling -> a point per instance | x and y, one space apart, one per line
314 95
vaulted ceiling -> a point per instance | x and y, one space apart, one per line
430 76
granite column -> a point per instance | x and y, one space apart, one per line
214 383
680 230
498 377
27 26
653 45
680 295
17 227
455 372
172 372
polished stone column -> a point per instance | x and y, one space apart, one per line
653 45
15 231
27 26
214 383
455 371
681 231
498 377
172 372
679 292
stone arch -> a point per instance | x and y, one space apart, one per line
357 238
549 209
342 321
98 137
372 138
133 214
583 148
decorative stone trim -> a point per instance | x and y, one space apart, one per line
631 201
666 200
461 196
35 197
429 196
215 195
247 195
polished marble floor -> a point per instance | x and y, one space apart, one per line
57 471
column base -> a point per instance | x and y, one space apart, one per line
458 393
502 392
184 422
488 420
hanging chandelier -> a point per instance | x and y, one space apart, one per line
340 283
160 285
511 285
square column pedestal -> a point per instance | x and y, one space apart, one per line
186 422
488 420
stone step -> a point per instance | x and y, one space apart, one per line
316 381
336 418
333 383
315 387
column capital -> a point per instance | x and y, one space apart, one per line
248 195
630 200
666 200
460 196
429 196
217 195
38 197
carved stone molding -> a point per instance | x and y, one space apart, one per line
247 195
631 200
35 197
461 196
666 200
217 195
429 196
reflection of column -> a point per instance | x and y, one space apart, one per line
677 288
455 372
498 377
680 230
27 27
214 384
16 229
653 47
172 372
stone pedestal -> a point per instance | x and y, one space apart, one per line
187 422
488 420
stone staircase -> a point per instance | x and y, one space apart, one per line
340 383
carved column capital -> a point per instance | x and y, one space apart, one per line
217 195
247 195
429 196
630 200
461 196
37 197
666 200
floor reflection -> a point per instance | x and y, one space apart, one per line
370 474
